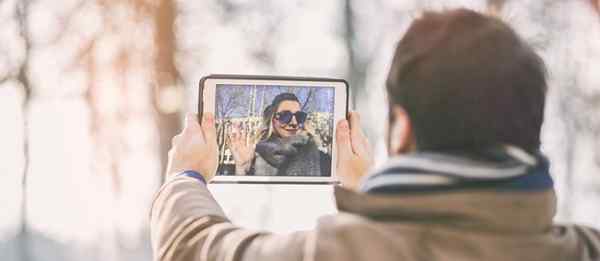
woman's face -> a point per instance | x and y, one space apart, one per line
292 128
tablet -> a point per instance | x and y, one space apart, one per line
274 129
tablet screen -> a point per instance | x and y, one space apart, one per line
274 130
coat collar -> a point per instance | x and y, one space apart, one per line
502 188
521 211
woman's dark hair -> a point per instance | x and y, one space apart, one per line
467 80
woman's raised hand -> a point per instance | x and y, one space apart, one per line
242 149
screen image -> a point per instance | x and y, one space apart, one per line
274 130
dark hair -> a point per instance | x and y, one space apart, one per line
272 108
468 81
286 96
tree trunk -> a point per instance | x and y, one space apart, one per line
167 79
356 72
22 14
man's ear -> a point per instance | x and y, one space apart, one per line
400 133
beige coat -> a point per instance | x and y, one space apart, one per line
188 224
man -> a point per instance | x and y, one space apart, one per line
465 179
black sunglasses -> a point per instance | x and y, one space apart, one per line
285 117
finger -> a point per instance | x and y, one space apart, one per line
356 135
234 131
191 122
355 127
208 127
366 144
170 153
242 131
344 147
175 140
229 131
191 128
234 136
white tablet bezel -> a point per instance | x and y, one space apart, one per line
339 112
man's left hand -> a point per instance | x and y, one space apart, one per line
195 148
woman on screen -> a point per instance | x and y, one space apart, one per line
285 147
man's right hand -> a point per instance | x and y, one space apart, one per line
195 148
354 155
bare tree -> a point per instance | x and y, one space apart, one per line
305 105
167 76
357 68
229 101
22 15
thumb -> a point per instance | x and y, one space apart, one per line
357 136
191 126
208 127
344 145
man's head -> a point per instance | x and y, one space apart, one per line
460 80
285 116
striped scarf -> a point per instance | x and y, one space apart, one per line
501 168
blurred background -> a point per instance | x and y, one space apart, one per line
91 93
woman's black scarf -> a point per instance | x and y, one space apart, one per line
297 155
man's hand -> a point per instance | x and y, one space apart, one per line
354 157
195 148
